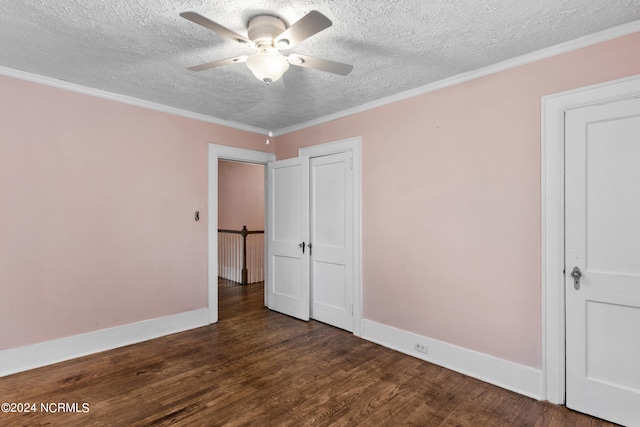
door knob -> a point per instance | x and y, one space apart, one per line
576 274
302 245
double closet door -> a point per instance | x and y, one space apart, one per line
310 256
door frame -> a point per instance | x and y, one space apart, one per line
554 108
216 153
354 146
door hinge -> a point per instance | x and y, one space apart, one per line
351 163
352 309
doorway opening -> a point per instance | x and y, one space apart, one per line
216 154
241 253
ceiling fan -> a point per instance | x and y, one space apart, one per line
269 35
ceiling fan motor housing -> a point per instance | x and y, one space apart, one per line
264 28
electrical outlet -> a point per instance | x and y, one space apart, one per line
421 348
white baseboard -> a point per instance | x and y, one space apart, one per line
46 353
503 373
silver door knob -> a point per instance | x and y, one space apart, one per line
576 274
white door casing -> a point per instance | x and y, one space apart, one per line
554 108
287 280
216 153
602 207
331 188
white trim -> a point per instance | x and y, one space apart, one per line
354 145
223 152
581 42
49 352
124 99
552 145
502 373
591 39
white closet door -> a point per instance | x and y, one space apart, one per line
603 247
287 284
332 239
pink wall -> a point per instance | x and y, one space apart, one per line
97 203
240 195
451 201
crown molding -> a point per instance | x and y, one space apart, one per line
73 87
585 41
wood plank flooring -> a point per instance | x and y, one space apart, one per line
257 367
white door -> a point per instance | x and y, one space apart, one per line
603 241
287 282
332 239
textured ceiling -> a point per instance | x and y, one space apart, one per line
141 48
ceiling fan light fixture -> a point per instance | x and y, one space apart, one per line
267 66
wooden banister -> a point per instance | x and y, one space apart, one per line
244 233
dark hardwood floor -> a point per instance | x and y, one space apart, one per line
257 367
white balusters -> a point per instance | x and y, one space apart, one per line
230 256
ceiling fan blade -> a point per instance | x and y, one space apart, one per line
214 26
320 64
310 24
218 63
